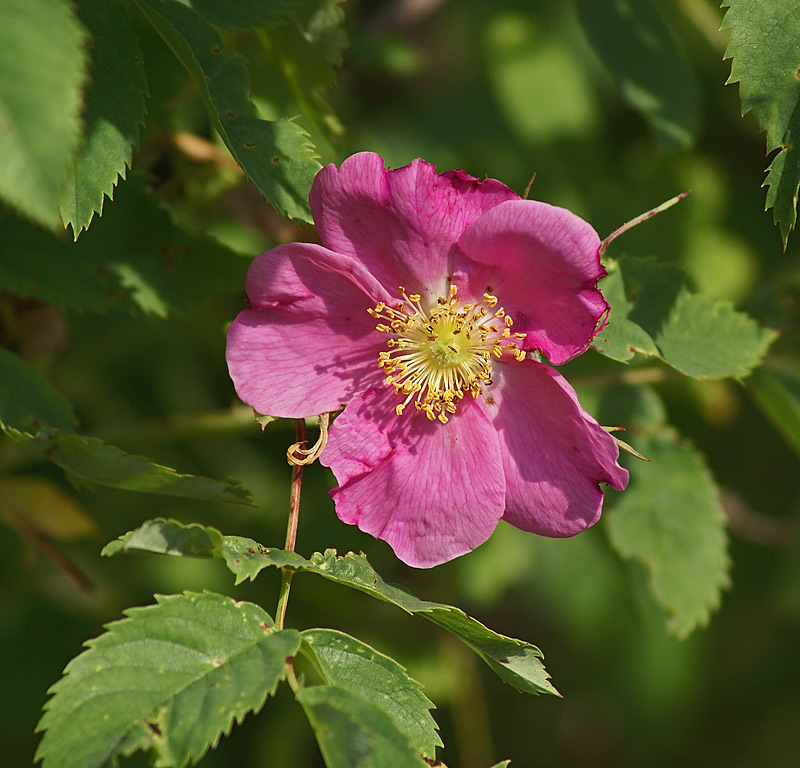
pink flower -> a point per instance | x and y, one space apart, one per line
424 314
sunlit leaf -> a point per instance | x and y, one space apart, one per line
516 662
348 663
113 113
670 517
763 46
352 731
42 72
169 537
276 155
643 59
171 677
652 312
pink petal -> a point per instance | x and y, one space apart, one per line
554 453
400 224
308 345
542 263
432 491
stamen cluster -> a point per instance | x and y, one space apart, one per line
438 354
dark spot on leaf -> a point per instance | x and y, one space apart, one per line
230 115
634 296
289 659
266 625
249 144
251 550
213 685
276 159
216 49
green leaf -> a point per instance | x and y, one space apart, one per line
242 14
670 517
169 537
89 460
42 72
276 155
777 393
171 677
653 313
348 663
352 731
114 111
307 51
516 662
33 413
135 257
646 65
763 46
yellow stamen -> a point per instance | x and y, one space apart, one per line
437 355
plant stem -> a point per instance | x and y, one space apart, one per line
291 526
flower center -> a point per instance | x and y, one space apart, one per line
437 355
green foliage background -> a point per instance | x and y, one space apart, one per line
616 106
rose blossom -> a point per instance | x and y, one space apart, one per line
424 313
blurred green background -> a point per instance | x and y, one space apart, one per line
508 90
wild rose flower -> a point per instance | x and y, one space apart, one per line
424 313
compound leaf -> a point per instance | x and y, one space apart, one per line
516 662
171 677
652 312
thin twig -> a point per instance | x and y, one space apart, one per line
639 219
58 556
